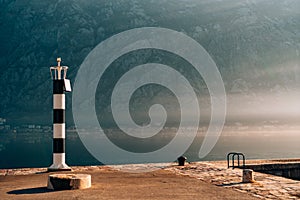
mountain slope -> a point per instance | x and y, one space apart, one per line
255 44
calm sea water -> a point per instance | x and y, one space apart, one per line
35 149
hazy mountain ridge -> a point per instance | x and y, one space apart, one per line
254 43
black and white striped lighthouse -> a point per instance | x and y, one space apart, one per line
60 86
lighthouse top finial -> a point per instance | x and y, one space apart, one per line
59 72
58 61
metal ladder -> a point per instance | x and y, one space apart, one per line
233 155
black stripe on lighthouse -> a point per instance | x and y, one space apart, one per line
58 145
58 86
58 116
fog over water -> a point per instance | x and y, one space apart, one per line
265 141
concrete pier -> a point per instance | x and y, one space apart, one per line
266 186
198 180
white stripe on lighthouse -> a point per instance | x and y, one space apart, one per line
59 101
59 130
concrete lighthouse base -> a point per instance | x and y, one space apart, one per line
59 163
59 168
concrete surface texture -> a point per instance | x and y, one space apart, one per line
265 186
108 183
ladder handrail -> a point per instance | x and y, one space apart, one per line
233 155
